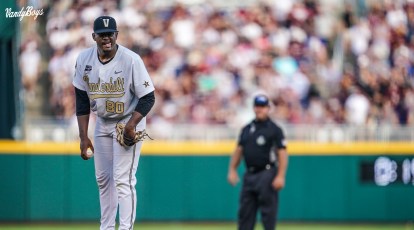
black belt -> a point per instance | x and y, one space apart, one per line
256 169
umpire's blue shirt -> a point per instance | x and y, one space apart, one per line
260 140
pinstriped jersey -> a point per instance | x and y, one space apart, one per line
115 87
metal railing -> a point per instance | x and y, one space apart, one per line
63 130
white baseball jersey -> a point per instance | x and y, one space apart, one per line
113 88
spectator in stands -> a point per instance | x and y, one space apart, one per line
29 63
207 61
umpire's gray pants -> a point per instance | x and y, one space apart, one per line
258 193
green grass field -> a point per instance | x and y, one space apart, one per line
210 226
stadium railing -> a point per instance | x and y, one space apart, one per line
45 129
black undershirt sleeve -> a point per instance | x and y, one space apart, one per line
145 104
82 102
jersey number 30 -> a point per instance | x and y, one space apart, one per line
114 107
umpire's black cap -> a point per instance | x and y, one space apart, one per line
261 100
104 24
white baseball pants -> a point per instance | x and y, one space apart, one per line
115 169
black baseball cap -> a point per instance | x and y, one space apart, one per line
261 100
104 24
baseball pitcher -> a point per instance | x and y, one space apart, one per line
112 81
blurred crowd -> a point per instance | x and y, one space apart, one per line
319 62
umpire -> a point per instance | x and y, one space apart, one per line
263 147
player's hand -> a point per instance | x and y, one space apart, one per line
129 131
233 177
86 143
278 182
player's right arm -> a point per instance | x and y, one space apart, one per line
233 176
82 110
85 142
82 114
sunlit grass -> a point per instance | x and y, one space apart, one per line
207 226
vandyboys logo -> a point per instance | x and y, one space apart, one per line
27 11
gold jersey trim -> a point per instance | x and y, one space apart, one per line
111 95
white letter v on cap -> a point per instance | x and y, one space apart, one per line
106 22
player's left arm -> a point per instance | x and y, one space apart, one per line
143 107
144 90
